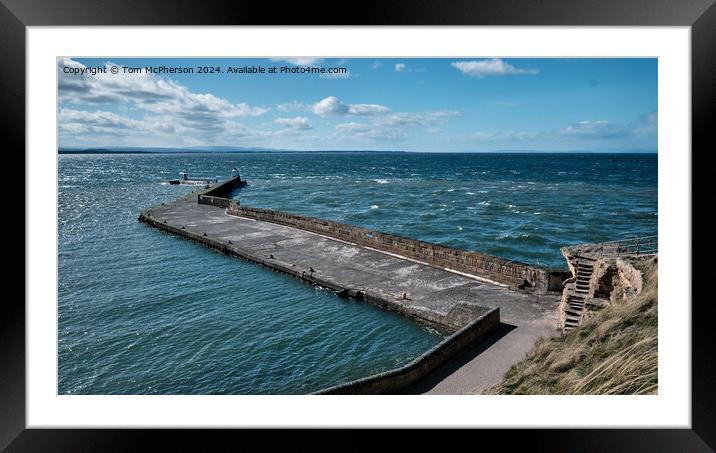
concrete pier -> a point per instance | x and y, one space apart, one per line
417 283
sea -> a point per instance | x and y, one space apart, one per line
144 312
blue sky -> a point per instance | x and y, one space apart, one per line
439 104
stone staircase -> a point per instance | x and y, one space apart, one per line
576 297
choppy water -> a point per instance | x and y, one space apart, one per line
141 311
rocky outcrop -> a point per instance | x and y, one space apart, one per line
627 283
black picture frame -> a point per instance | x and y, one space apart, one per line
700 15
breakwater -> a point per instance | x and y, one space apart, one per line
438 285
459 292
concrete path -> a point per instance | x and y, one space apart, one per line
485 365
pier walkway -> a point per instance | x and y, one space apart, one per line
446 299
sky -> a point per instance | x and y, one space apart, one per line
399 104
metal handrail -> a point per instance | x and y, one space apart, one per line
643 245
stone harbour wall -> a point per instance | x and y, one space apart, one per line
395 380
214 201
217 195
510 273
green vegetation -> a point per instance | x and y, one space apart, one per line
614 352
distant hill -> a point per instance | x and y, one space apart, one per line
575 151
147 150
241 149
99 151
193 149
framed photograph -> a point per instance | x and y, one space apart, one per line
452 216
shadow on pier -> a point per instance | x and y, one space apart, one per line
430 381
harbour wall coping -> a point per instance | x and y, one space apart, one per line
395 380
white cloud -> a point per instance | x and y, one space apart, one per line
492 67
363 131
330 106
298 122
393 126
348 127
145 91
146 110
244 109
601 129
377 64
99 122
300 61
166 106
416 118
507 136
293 106
399 67
83 127
644 126
579 130
333 106
103 128
367 109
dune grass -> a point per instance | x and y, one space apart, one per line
614 352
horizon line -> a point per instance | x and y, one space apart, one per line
217 149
